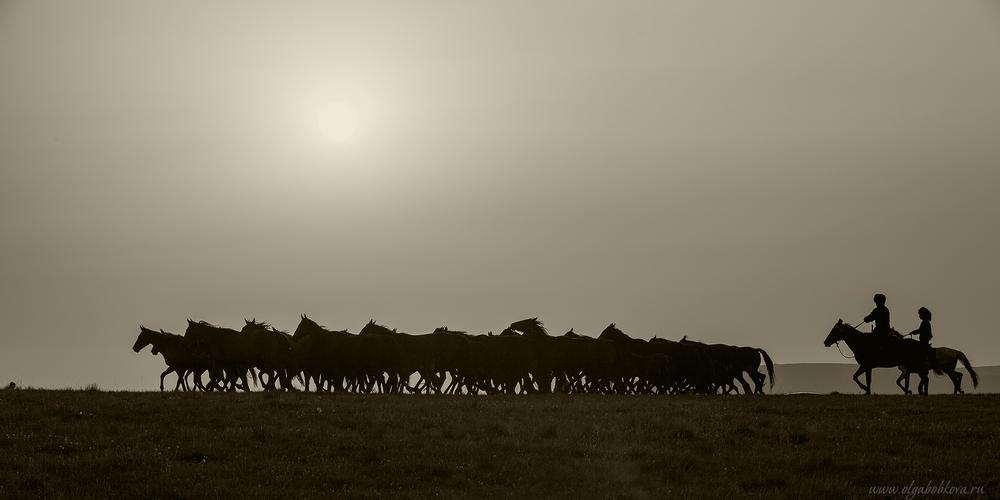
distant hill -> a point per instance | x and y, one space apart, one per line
824 378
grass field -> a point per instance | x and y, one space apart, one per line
82 444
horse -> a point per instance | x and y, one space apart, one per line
627 371
277 367
228 350
732 361
943 362
548 362
338 360
880 351
178 358
408 354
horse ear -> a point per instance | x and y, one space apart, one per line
190 322
303 315
254 320
612 325
840 321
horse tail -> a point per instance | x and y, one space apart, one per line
770 366
968 366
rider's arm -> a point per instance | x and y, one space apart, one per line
924 327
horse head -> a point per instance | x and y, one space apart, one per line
306 326
614 333
837 333
144 339
252 325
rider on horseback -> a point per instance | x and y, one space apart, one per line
880 315
924 331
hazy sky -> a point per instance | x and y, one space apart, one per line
740 172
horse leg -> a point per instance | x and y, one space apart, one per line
903 375
758 381
957 380
743 382
857 381
163 375
452 383
181 380
196 376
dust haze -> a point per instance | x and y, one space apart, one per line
733 172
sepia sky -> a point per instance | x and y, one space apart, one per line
739 172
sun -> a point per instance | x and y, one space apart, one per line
337 120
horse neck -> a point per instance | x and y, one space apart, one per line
210 331
616 336
534 333
852 337
163 341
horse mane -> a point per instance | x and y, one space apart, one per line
261 324
530 325
264 325
164 332
209 326
310 326
204 323
381 328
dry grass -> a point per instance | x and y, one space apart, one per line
83 444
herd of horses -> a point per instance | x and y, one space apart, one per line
523 358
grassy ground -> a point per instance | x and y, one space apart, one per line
106 444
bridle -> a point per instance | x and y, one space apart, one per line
842 352
838 344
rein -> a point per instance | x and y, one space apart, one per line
842 352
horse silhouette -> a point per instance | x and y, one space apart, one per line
872 350
943 362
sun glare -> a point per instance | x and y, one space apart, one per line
338 121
